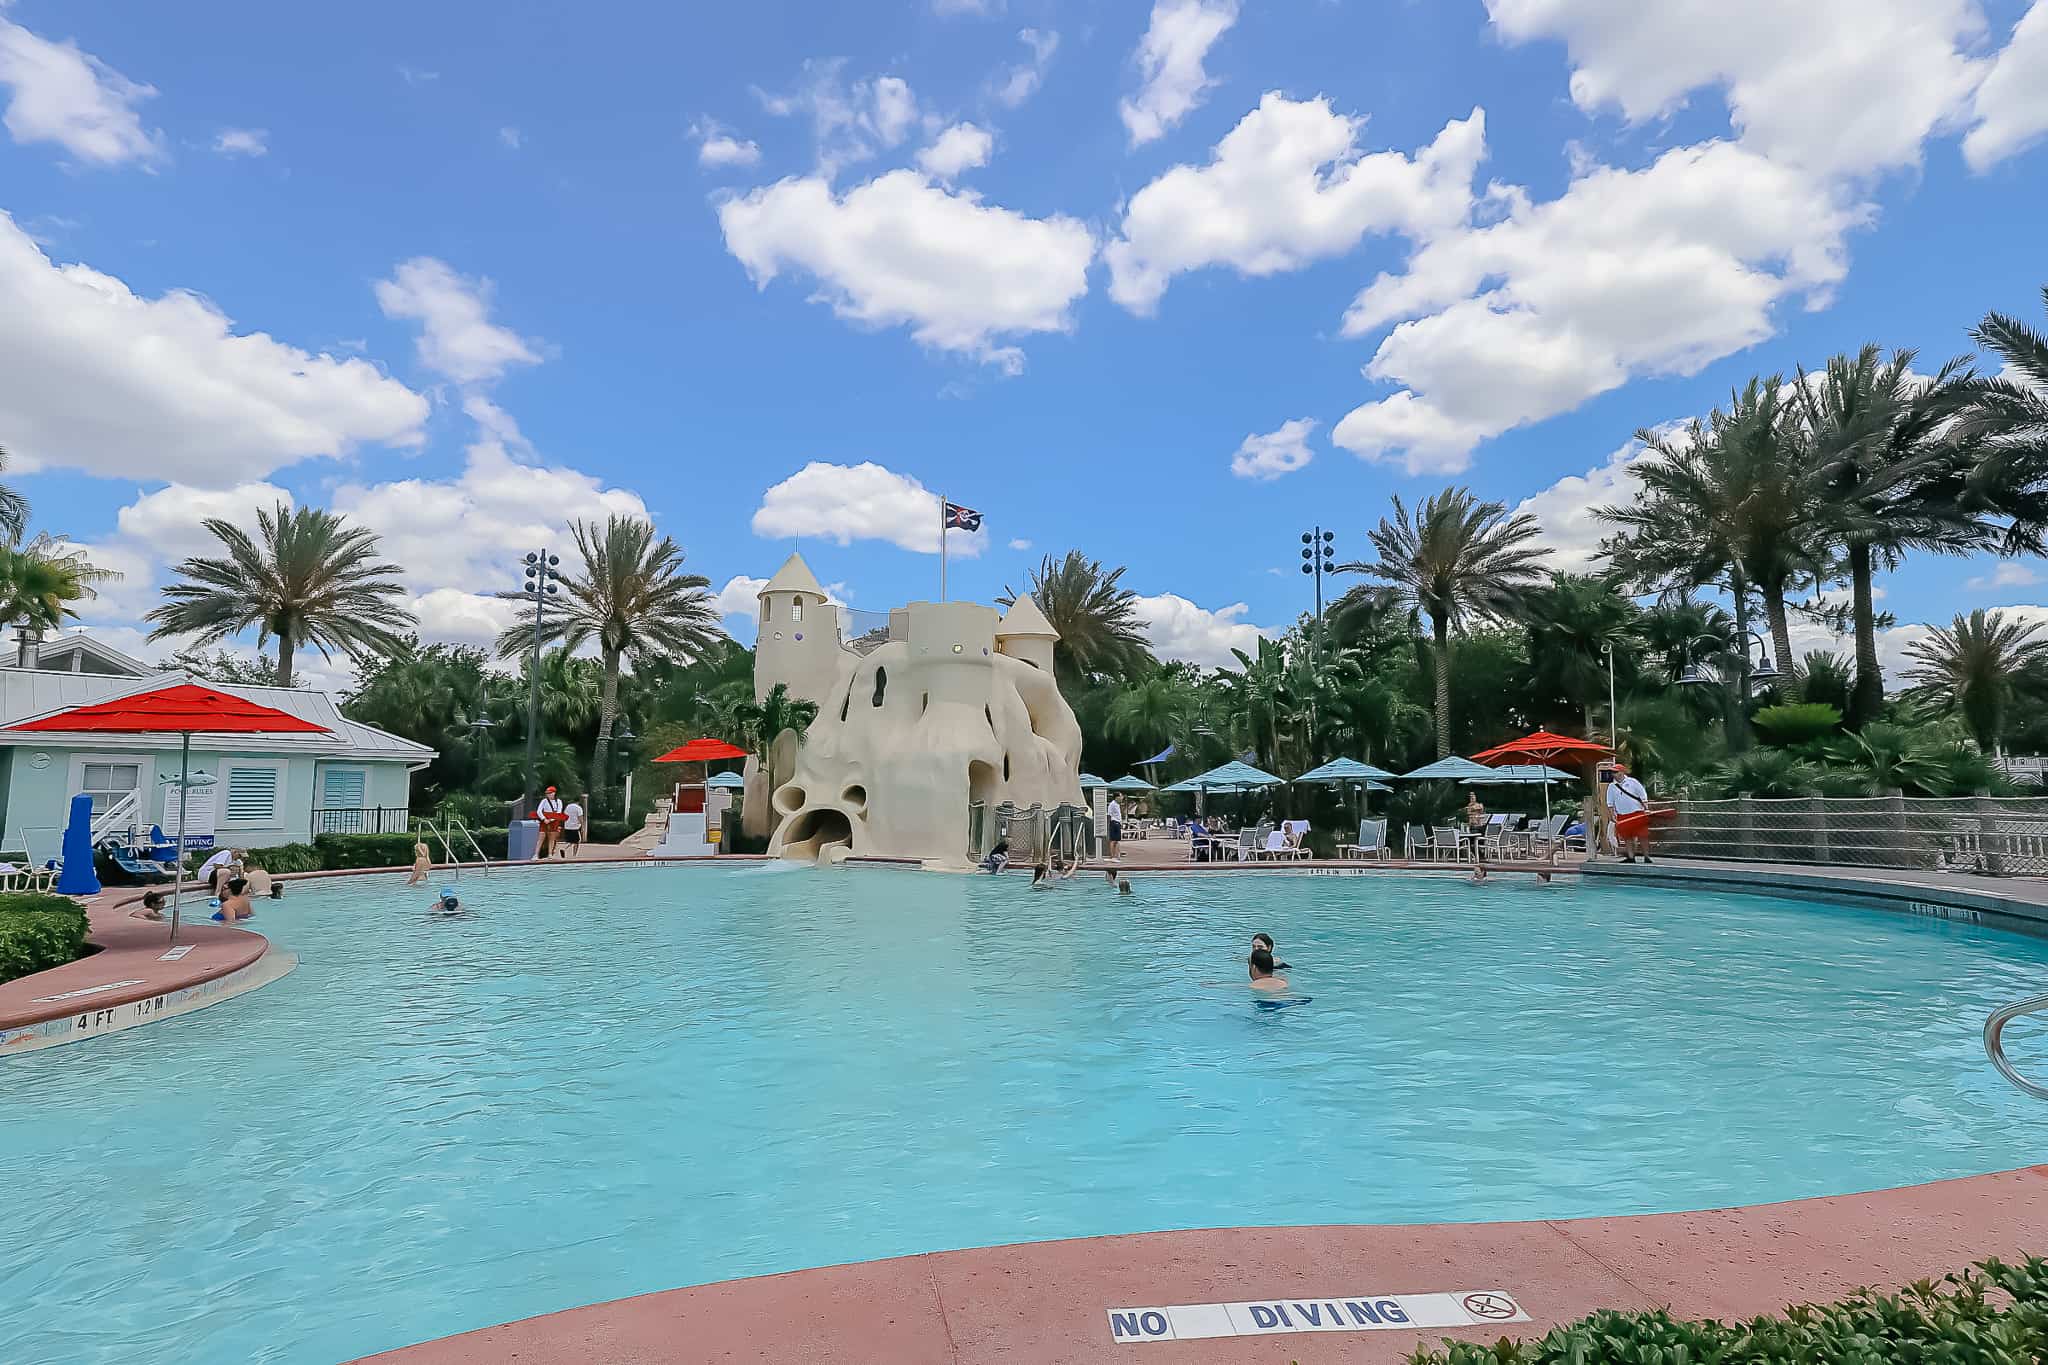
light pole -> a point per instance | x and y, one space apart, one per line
1692 674
540 586
1613 714
1318 557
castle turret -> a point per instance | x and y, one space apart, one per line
797 643
1025 634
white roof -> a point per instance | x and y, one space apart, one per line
65 645
1025 621
794 576
29 693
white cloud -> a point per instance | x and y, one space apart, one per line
740 596
59 94
1178 629
168 522
243 142
961 147
952 7
852 120
2011 106
2007 573
468 531
97 378
900 250
453 616
845 503
1287 186
1838 87
1020 544
413 75
131 596
511 137
1564 510
1653 271
719 147
1019 83
457 337
1275 453
1169 61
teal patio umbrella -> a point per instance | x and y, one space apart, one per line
1130 784
1340 771
1089 781
1515 774
1453 769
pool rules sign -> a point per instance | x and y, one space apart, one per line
1348 1313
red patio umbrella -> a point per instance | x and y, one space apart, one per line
706 751
184 709
1546 747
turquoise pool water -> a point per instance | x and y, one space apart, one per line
610 1081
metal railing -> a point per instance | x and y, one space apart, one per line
455 827
361 819
1989 836
1994 1042
111 819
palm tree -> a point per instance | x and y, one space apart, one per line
759 724
39 582
1457 559
1580 628
13 508
1157 709
1100 632
633 601
1892 472
314 580
2013 407
1261 702
1974 666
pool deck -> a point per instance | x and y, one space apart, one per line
1047 1303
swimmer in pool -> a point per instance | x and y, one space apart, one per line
447 904
998 857
1123 886
1041 877
1263 978
152 905
1264 943
234 902
1109 875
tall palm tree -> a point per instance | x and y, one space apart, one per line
1892 472
13 508
1457 559
313 580
1262 704
759 724
1974 666
1581 632
1155 710
2013 406
633 601
39 581
1100 632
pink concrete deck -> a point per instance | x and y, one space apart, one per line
1046 1303
131 949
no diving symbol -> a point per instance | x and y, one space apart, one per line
1493 1306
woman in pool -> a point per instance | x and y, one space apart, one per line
1041 876
998 857
1263 943
422 864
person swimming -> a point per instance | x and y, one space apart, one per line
1123 886
234 902
1264 942
447 904
1262 968
1041 877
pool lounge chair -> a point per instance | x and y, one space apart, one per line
1278 848
1247 844
1415 843
1448 844
1545 836
1372 842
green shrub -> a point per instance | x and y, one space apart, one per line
1998 1318
287 858
1792 724
38 932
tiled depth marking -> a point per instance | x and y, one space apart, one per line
1365 1313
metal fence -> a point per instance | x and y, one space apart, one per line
1992 836
1032 833
361 820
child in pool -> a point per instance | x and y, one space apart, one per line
422 864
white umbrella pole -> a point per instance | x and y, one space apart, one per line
178 876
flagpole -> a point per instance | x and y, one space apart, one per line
942 547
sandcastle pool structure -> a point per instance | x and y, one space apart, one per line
958 708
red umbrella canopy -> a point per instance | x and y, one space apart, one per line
187 708
1543 747
702 751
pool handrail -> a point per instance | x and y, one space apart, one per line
1994 1041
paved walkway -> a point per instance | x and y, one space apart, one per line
1047 1303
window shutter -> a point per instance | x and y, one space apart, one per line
252 795
342 789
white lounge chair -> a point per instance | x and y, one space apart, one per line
1372 842
1448 844
1415 845
1277 847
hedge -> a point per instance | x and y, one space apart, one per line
1997 1318
339 852
39 931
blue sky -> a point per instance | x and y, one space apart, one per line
1106 272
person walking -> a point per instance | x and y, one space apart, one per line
572 829
551 813
1628 801
1116 828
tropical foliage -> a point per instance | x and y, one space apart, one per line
1100 632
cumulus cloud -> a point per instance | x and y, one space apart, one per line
2011 105
1178 629
961 147
718 147
2006 573
1018 83
740 596
57 93
453 616
242 142
853 120
1287 186
1801 82
1653 271
845 503
168 523
1020 544
1275 453
511 138
1170 61
901 251
457 337
953 7
97 378
1564 510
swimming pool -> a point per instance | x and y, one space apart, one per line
614 1080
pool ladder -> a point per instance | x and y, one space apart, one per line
451 825
1994 1041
